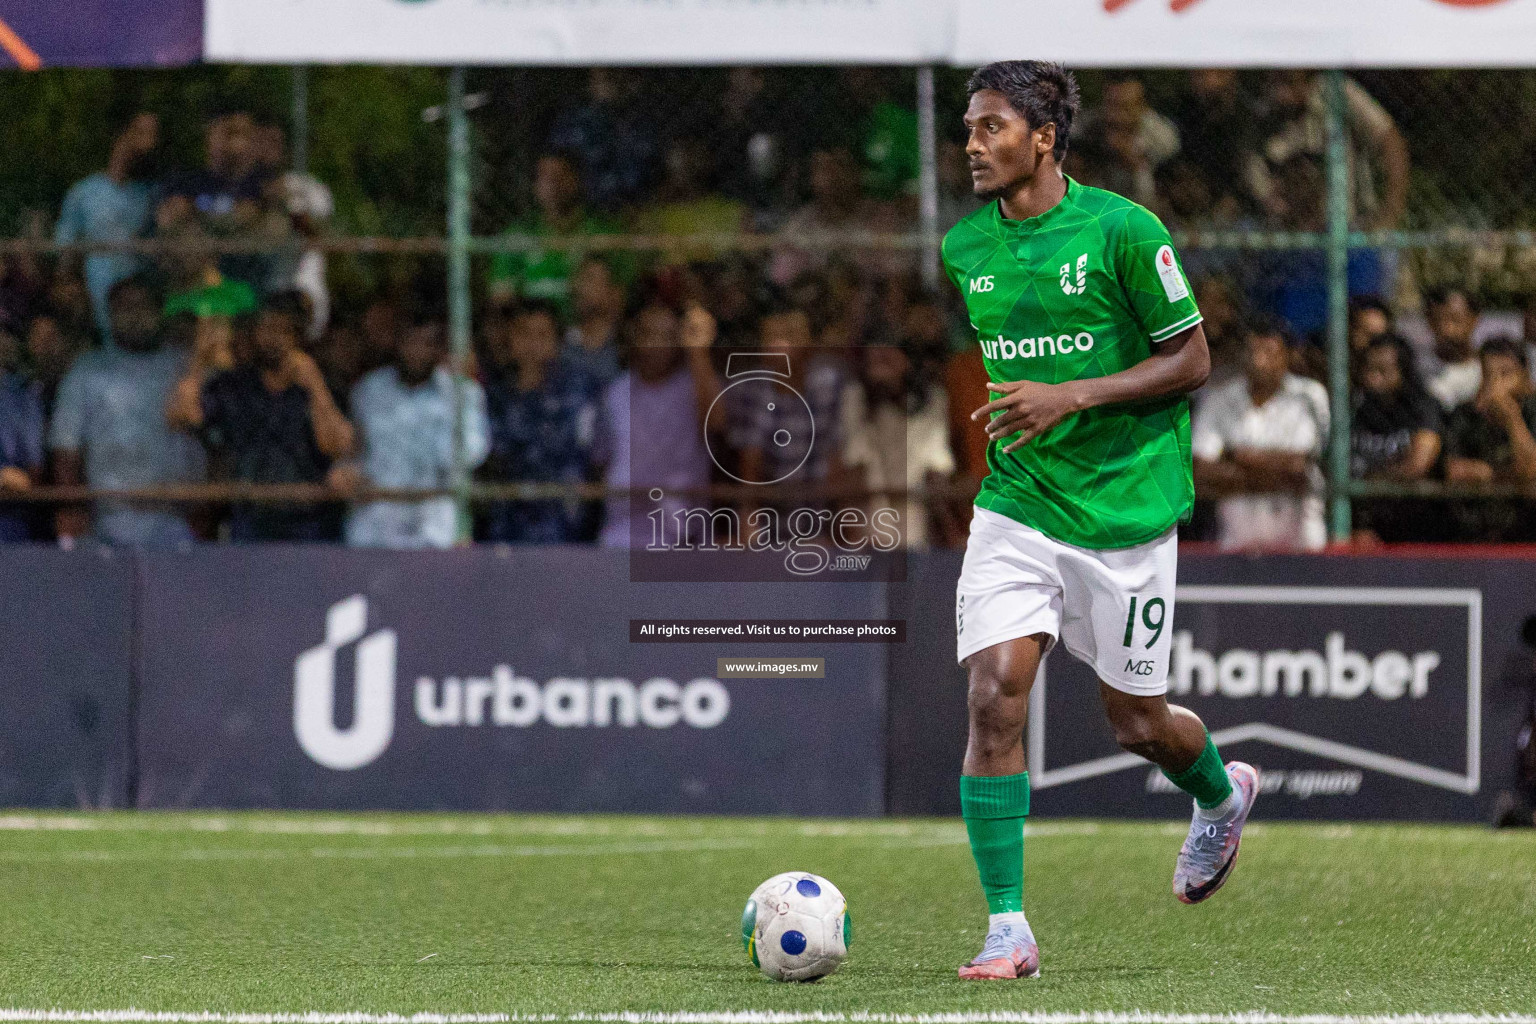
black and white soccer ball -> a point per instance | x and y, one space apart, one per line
796 927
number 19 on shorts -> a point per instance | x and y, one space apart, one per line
1153 614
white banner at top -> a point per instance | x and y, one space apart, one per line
1239 33
579 31
1081 33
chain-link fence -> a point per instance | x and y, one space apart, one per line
538 231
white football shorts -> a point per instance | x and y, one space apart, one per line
1112 609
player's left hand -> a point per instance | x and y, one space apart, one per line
1028 407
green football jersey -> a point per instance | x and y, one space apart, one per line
1083 290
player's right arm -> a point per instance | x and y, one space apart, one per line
1177 366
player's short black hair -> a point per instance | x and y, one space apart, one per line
1042 91
1504 345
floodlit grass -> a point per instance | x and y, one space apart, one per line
531 914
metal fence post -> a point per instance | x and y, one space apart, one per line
1338 307
299 119
458 283
928 177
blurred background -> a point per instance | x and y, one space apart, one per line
780 201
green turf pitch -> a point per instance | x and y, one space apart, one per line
559 915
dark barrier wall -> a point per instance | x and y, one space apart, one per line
66 656
1361 688
490 680
326 678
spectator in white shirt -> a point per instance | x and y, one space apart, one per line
1454 372
404 413
1257 442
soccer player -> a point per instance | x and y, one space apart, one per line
1092 341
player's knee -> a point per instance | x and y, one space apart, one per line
992 713
997 706
1138 733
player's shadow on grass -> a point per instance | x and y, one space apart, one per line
659 966
728 972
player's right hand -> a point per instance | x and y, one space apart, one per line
1027 408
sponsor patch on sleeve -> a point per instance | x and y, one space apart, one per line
1168 273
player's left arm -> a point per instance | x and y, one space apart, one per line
1158 296
1177 366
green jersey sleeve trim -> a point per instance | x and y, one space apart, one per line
1183 325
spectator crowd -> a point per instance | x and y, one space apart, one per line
592 365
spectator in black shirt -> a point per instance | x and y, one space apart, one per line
1490 440
1395 436
274 420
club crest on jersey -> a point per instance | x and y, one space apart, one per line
1081 284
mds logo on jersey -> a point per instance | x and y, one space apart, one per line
981 284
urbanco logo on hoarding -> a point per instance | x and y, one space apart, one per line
1382 679
373 701
499 698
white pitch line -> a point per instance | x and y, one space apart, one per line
752 1017
170 822
177 822
378 853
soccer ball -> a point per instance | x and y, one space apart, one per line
796 927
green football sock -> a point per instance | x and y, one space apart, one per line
1206 780
994 808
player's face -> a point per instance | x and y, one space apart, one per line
1002 149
